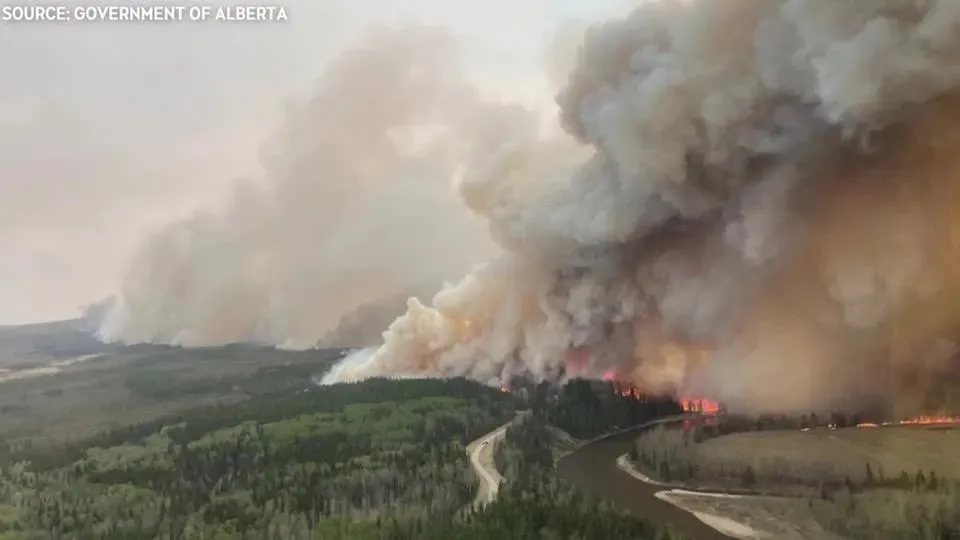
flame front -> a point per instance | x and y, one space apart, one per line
624 385
700 405
920 420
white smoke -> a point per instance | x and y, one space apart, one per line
755 200
729 142
352 359
356 204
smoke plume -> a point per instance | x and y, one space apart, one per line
355 206
768 214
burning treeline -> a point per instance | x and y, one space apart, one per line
770 216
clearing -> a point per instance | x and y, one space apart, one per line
882 482
74 397
844 452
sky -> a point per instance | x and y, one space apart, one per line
110 130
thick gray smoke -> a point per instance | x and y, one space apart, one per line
108 131
356 205
766 213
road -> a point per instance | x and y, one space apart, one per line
481 453
598 467
481 457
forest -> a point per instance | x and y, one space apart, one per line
535 503
587 409
323 462
381 459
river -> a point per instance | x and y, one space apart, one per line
593 467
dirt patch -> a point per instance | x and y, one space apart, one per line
743 516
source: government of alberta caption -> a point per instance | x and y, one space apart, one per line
142 12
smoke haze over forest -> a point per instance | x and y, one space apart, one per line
109 132
768 216
753 200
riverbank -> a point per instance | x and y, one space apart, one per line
722 524
576 444
592 467
815 484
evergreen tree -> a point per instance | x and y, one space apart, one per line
749 478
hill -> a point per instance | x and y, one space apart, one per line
35 344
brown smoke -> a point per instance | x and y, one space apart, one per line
769 215
867 289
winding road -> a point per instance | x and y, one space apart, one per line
481 453
599 467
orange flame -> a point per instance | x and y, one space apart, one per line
690 404
576 361
920 420
931 420
621 388
699 405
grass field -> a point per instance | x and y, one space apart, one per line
888 482
843 452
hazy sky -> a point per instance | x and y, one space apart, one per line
107 131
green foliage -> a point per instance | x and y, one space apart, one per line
536 504
43 417
378 460
308 463
265 408
587 409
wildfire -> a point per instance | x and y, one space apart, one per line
576 364
577 361
690 404
932 420
620 387
920 420
699 405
